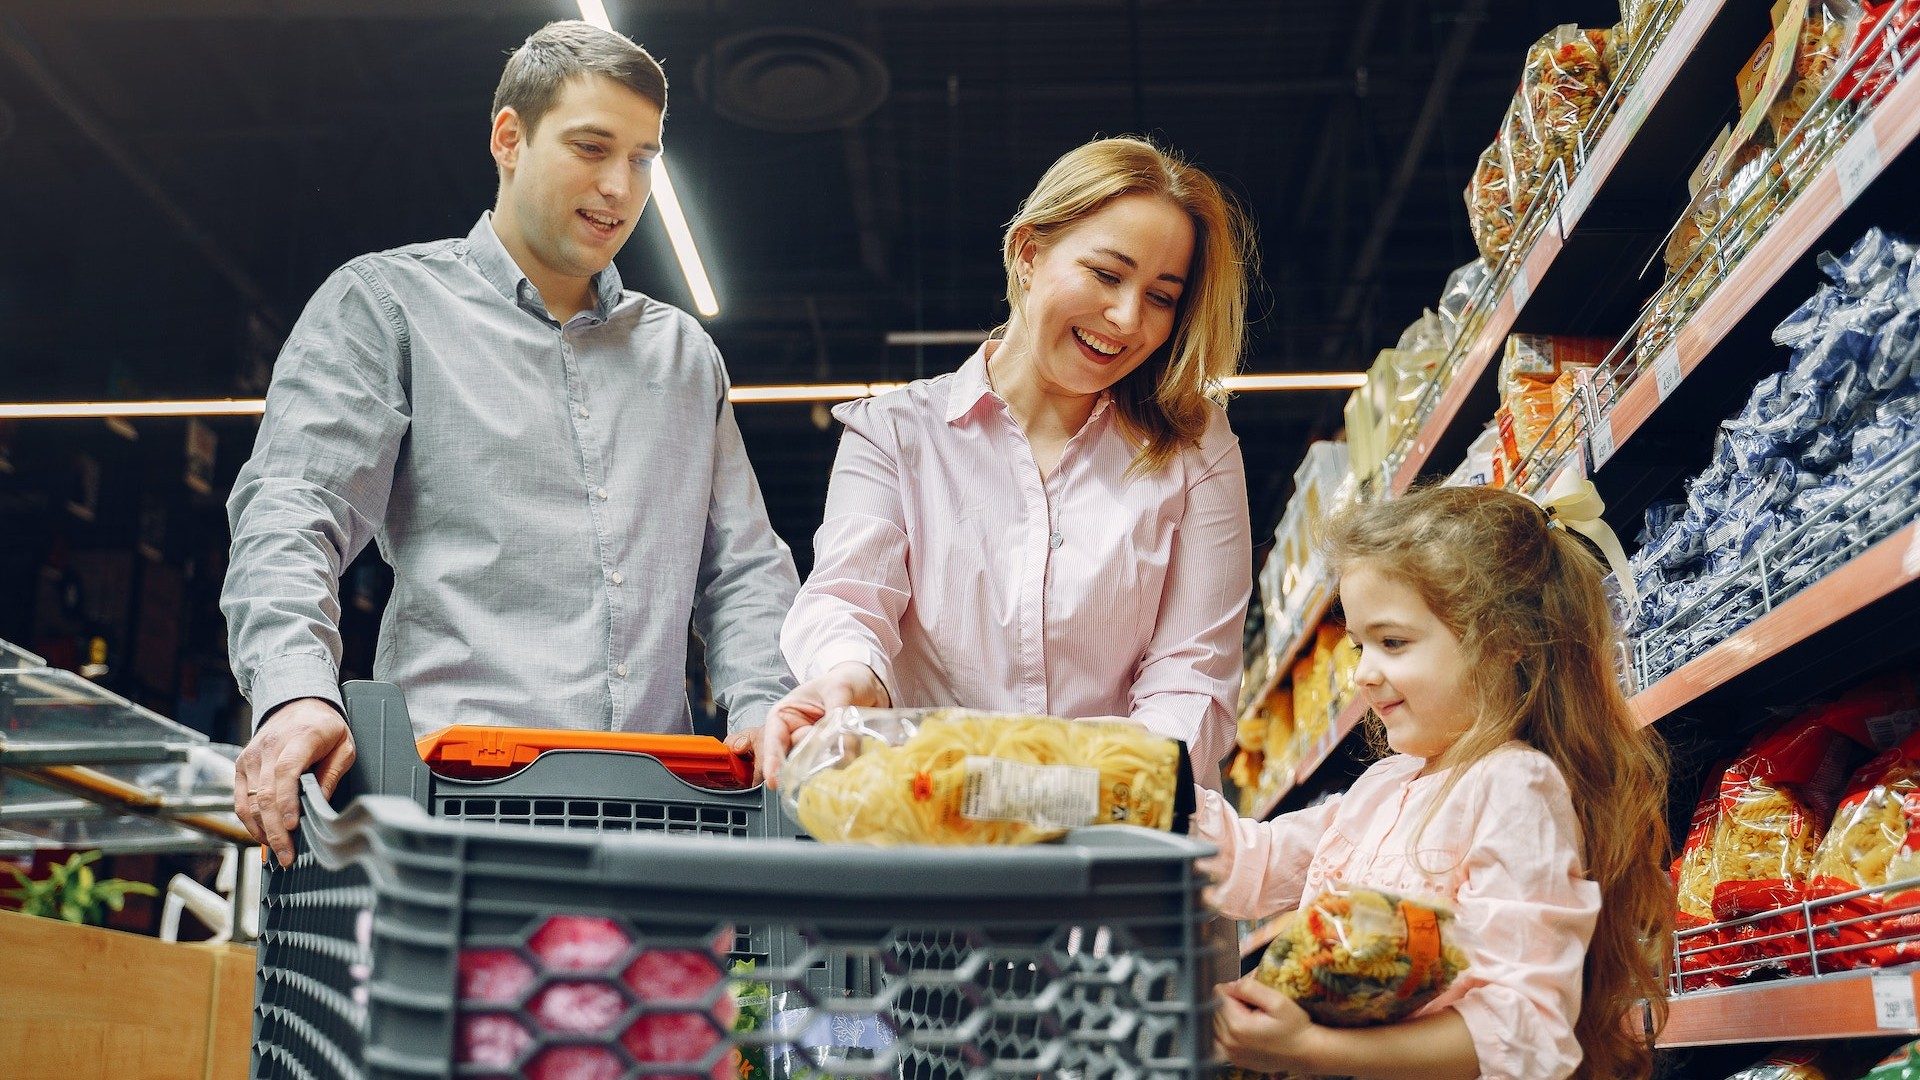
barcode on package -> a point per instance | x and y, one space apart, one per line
1045 796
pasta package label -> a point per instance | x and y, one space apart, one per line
954 776
1353 957
1049 796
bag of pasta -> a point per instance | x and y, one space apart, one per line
1825 31
1693 879
1564 80
955 777
1775 803
1353 956
1868 831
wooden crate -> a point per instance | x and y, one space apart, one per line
83 1003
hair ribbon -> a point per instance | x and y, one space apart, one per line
1573 503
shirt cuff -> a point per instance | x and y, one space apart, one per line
287 678
835 653
1184 716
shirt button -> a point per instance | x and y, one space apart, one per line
617 578
602 492
583 412
1055 541
620 670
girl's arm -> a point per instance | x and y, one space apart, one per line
1187 683
1262 865
1258 1027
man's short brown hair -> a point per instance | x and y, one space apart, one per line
560 51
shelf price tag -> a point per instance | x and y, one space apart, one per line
1600 443
1522 288
1857 163
1666 371
1893 1002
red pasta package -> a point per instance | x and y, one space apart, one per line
1885 41
1869 830
1776 802
1693 881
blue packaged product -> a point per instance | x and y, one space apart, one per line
1890 361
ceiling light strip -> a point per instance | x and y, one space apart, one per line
739 395
668 202
675 219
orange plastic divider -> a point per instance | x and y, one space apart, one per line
479 752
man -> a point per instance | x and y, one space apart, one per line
548 462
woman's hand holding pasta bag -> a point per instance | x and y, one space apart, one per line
849 684
1262 1029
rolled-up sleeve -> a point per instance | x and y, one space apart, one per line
1527 913
315 490
851 606
746 585
1189 677
1261 868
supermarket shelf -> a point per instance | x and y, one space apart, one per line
1888 132
1702 49
1342 725
1881 570
1314 615
1829 1007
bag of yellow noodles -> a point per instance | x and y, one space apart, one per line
1354 956
954 776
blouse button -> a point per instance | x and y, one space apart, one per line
1055 541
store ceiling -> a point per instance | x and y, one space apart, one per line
176 176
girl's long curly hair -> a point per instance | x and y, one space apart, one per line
1525 599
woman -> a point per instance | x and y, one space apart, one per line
1060 526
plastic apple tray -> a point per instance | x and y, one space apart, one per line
538 926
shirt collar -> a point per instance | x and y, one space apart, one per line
490 257
970 386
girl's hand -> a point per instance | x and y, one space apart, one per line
1262 1029
792 716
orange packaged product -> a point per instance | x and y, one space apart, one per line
481 752
1564 80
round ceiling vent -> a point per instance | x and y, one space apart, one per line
793 80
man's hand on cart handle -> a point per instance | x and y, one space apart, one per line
298 737
848 684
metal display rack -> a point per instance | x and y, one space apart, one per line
82 767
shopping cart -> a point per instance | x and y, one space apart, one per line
436 927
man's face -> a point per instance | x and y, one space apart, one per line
572 189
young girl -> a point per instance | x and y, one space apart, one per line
1523 793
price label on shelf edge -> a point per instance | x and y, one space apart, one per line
1893 1002
1857 163
1522 288
1666 371
1600 443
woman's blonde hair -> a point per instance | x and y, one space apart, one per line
1163 402
1525 599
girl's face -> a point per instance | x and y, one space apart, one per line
1413 672
1101 295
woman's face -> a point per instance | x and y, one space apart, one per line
1101 294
